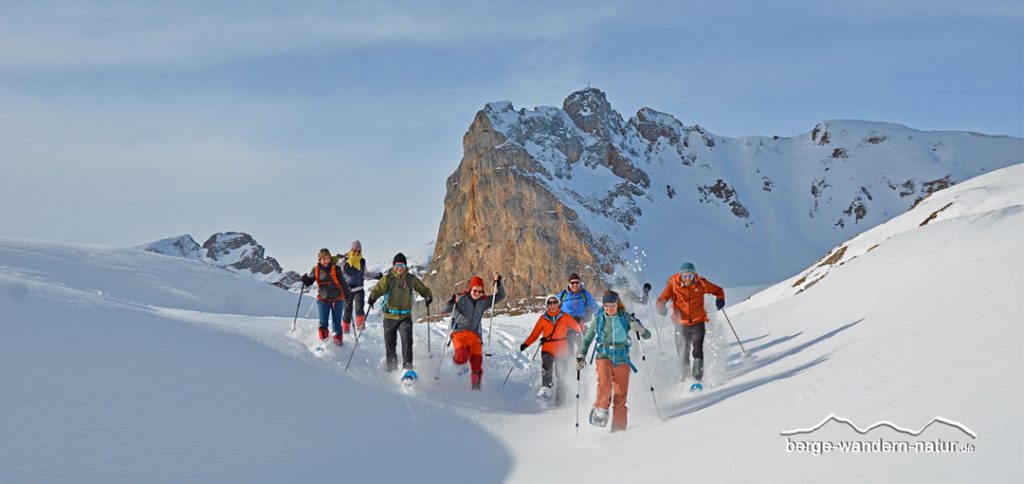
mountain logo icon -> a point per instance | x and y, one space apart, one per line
845 421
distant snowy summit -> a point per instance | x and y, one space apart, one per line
235 251
545 192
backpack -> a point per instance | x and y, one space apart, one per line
616 355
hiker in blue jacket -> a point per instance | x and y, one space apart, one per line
579 303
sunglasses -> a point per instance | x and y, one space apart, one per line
552 301
476 291
689 275
574 283
399 266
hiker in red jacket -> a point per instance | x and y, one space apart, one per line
687 289
552 327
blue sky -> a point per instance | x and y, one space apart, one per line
310 124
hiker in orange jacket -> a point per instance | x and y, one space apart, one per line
687 289
552 327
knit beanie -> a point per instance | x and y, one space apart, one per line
574 277
323 253
687 267
357 246
399 259
476 281
610 297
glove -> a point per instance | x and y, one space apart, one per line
647 287
522 347
306 280
662 310
370 302
452 300
635 326
497 279
719 303
580 362
429 300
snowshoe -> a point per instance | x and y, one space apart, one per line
544 394
322 333
337 340
409 377
696 387
599 417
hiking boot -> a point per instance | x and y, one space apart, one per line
322 333
360 322
337 340
698 368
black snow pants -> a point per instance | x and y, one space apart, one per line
392 328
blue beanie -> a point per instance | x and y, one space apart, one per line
610 297
687 267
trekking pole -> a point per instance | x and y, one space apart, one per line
428 332
437 374
577 402
310 309
297 306
490 325
355 331
744 350
650 378
528 365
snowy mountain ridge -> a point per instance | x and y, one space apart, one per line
647 193
235 251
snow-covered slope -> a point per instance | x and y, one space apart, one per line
103 381
981 195
109 379
650 191
235 251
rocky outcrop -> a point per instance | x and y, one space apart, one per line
499 219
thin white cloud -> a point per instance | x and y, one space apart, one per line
57 35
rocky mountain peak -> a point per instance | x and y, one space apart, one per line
590 111
240 251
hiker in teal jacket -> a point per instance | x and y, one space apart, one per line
611 329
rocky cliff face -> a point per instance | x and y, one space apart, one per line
543 193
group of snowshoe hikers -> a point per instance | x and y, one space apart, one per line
571 323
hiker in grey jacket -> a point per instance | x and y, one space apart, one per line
466 332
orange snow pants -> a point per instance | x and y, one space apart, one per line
612 386
467 347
